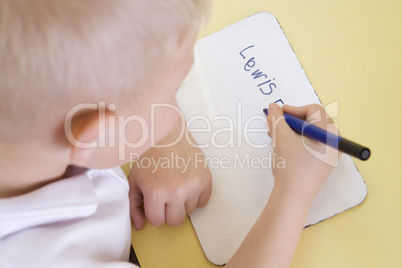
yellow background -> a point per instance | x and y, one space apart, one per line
351 52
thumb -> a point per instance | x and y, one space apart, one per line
275 120
136 206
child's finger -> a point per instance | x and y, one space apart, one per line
175 213
154 208
276 121
302 112
207 190
191 204
313 113
138 217
136 209
307 112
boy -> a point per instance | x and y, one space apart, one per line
67 69
77 80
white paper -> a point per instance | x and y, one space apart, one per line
238 72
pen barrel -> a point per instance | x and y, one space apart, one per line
311 131
316 133
353 149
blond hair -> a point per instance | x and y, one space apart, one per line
55 54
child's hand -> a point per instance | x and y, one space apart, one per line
272 240
307 162
162 193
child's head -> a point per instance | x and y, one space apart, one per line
56 54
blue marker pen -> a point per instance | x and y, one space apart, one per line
313 132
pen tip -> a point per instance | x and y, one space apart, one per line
265 110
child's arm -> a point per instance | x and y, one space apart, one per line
172 188
273 239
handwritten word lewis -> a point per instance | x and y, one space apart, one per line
265 84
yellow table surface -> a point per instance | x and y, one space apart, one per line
351 50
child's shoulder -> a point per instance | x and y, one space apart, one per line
87 210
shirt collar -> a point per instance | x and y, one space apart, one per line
62 200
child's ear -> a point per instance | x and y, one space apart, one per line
86 130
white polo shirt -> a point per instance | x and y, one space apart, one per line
82 221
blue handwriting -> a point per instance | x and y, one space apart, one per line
265 84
